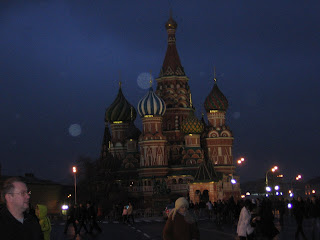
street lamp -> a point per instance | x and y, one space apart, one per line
74 170
241 160
297 178
275 168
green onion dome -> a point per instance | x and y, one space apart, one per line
151 104
192 125
216 100
120 110
171 24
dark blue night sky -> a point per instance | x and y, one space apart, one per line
61 61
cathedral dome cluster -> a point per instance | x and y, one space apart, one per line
216 100
120 110
151 104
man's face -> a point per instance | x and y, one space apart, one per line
19 198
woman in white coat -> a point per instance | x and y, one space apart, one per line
244 229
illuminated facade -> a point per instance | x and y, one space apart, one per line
175 154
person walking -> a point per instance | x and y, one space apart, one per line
92 218
244 228
181 225
44 221
81 217
71 218
15 223
130 213
124 214
299 212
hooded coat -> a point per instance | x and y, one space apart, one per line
181 227
44 221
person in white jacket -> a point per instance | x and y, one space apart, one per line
244 228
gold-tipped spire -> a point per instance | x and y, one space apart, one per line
120 83
190 100
131 113
150 78
214 74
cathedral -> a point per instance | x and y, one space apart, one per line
174 154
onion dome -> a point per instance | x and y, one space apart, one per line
151 104
171 24
192 125
216 100
120 110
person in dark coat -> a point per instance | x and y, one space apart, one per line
71 218
15 223
81 217
314 214
91 216
181 225
299 212
264 224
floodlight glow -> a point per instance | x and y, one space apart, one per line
74 169
289 205
243 196
233 181
64 207
277 193
248 193
276 188
313 191
268 189
267 195
291 194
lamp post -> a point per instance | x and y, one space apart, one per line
275 168
74 170
297 178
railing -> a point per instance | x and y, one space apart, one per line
173 187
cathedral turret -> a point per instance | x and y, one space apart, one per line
192 127
216 105
173 88
218 137
152 142
119 114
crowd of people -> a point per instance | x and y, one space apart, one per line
81 216
254 218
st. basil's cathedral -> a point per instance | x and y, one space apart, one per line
175 154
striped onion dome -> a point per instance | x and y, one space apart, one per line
216 100
192 125
120 110
151 104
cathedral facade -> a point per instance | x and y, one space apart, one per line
175 153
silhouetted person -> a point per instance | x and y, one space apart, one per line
81 217
71 218
299 212
91 216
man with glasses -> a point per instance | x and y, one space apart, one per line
15 223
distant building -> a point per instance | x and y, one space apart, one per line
176 154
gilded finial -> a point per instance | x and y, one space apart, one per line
131 113
120 83
190 101
150 78
214 74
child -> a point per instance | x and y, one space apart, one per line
44 221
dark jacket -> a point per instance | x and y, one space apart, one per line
181 228
12 229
